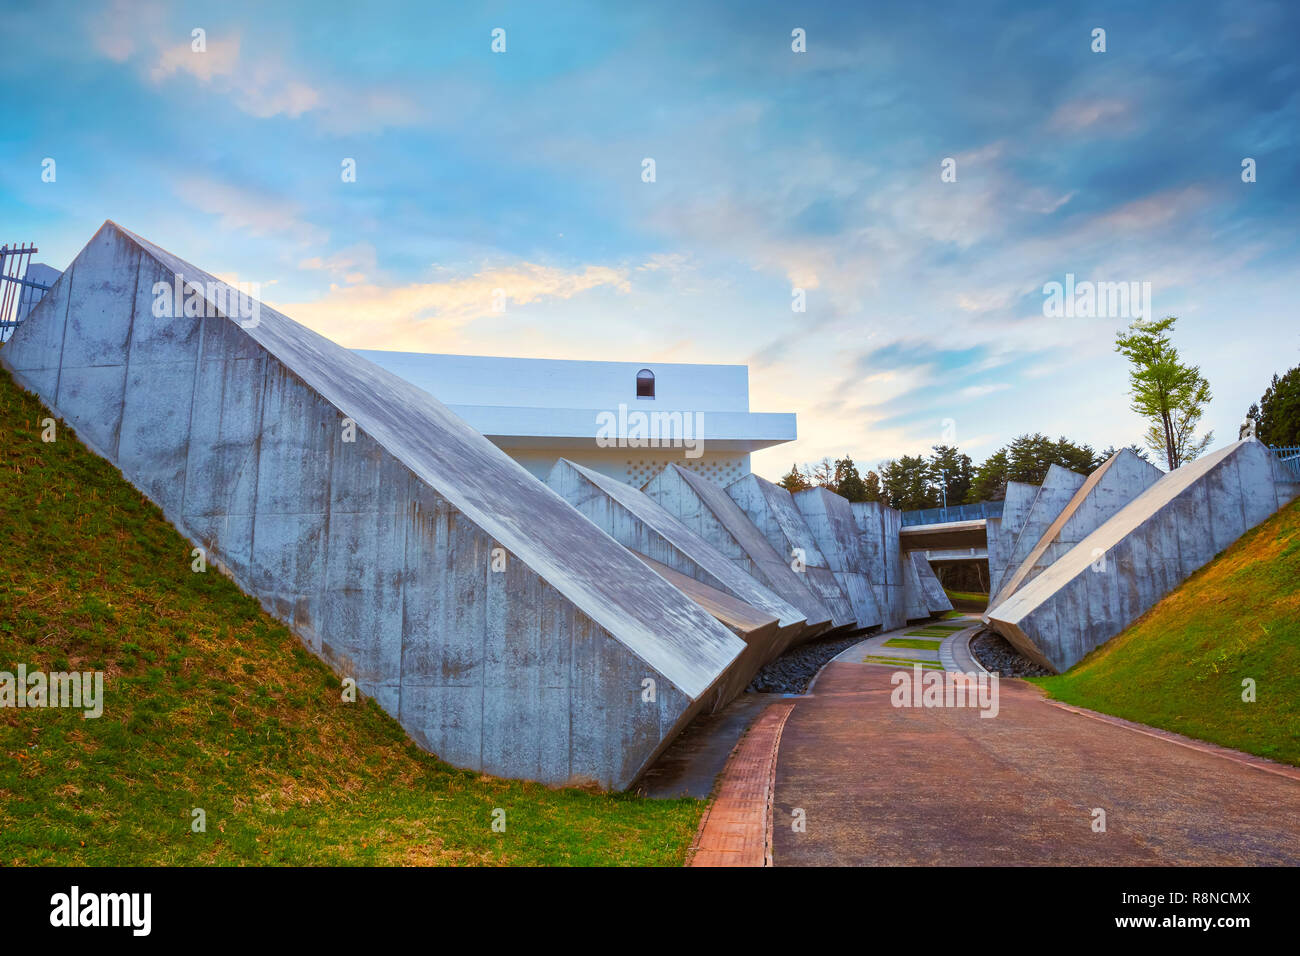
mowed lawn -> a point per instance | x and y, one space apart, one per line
211 704
1183 665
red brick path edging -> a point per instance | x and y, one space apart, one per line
736 829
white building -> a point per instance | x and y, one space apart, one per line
624 419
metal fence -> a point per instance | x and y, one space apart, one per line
17 292
981 509
1289 457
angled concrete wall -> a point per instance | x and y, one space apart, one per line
1119 571
1053 495
879 526
644 527
708 510
933 595
378 553
772 510
1015 509
830 519
1118 481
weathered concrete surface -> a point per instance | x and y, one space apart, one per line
772 510
639 524
1017 790
379 553
708 510
915 602
1053 495
879 526
830 519
933 595
997 548
1118 481
1018 500
1115 574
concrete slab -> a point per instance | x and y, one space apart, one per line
1119 571
503 630
830 519
773 511
1053 495
1019 498
933 595
879 526
708 510
1101 496
641 525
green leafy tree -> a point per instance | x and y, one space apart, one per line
1278 414
1168 393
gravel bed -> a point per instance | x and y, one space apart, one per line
793 671
997 655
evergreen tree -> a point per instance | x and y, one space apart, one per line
872 484
794 480
1278 415
848 483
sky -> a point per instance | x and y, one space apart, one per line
774 171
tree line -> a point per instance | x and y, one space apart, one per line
1168 393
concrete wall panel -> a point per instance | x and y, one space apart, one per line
377 553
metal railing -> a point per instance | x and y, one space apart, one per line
1288 456
16 290
980 509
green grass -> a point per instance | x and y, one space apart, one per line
948 614
211 703
880 659
913 643
967 600
1181 666
926 632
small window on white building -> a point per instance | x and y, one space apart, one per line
645 384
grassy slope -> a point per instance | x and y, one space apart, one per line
211 703
1181 665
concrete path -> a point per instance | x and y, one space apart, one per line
898 648
880 785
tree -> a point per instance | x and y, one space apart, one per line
906 483
990 481
794 480
952 470
872 483
1171 395
1112 451
848 483
822 474
1278 416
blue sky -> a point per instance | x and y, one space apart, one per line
774 170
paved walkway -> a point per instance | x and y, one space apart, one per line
881 785
937 645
